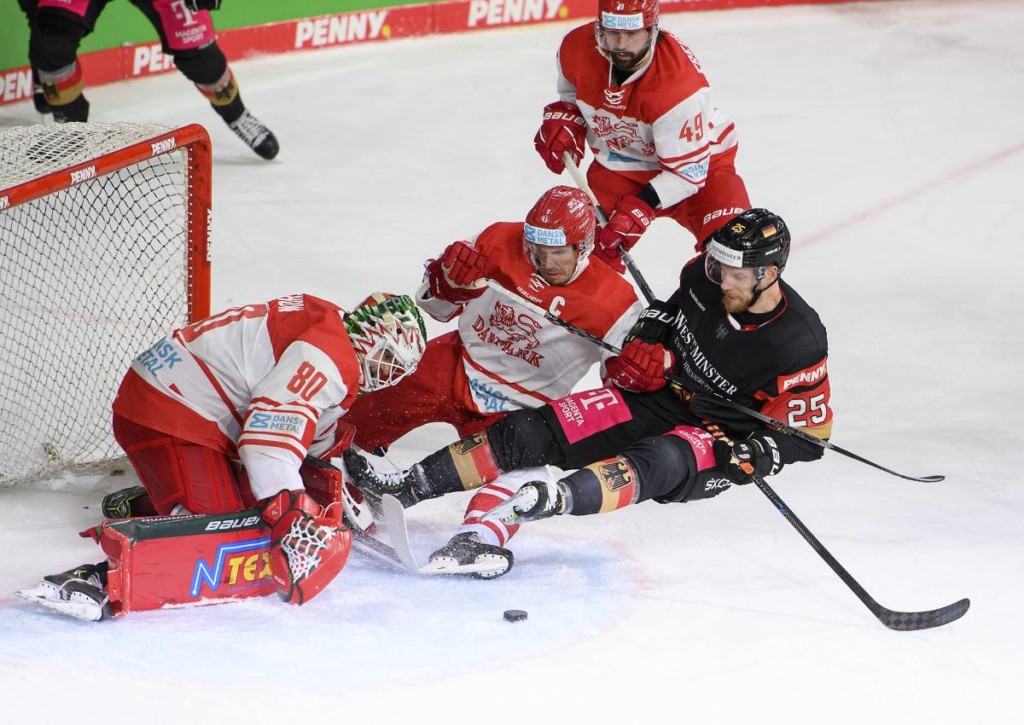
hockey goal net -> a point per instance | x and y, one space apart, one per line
103 247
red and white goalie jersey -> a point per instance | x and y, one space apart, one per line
512 358
262 384
659 127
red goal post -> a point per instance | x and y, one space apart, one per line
104 247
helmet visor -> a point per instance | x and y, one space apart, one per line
717 255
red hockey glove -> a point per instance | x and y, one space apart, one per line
629 219
453 276
563 129
641 366
307 550
757 455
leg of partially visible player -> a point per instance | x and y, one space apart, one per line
191 39
56 34
679 466
484 539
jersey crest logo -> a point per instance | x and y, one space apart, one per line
625 133
468 444
514 334
616 474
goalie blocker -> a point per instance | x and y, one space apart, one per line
170 561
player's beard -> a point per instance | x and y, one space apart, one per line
736 301
627 61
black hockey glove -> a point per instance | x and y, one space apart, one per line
755 456
656 324
197 5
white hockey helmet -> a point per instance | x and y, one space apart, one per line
388 335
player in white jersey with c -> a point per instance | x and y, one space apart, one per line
218 417
639 98
504 356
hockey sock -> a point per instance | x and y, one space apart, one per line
224 97
462 466
63 90
603 486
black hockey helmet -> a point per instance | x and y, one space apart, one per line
755 239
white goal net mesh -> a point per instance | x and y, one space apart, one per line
90 276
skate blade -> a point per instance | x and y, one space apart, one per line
77 607
441 566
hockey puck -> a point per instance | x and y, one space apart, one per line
514 615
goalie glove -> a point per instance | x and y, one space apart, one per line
563 129
455 275
307 550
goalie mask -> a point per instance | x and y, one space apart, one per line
388 335
756 239
563 217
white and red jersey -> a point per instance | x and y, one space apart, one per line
262 384
659 127
514 358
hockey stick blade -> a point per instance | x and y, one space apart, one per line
913 621
375 548
398 530
898 621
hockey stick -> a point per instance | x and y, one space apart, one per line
899 621
627 259
775 425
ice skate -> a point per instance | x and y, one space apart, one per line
465 550
259 138
79 592
403 485
127 503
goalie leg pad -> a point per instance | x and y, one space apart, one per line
175 471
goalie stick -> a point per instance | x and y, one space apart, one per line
373 546
775 425
627 258
899 621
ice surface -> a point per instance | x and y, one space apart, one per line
888 134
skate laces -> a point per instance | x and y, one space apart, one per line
386 481
304 544
249 129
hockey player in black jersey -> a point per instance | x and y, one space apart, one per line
734 329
